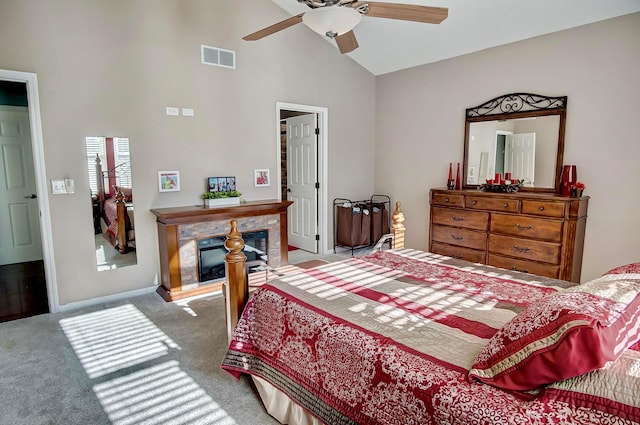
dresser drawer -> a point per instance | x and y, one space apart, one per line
546 252
492 204
459 252
546 270
460 218
460 237
446 199
527 227
543 208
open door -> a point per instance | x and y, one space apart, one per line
19 216
302 181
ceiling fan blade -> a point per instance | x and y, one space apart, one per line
347 42
405 12
274 28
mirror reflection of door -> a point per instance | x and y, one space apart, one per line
109 171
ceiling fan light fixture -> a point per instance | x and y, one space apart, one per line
332 20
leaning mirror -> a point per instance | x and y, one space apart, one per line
109 170
521 134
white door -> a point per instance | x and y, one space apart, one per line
19 221
520 156
302 176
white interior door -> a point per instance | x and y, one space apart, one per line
520 156
302 176
19 220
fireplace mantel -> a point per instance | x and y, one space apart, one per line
179 228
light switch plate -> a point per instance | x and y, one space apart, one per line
58 187
188 112
173 111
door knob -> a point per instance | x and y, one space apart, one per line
32 196
288 190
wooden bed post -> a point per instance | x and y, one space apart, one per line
235 288
397 228
121 234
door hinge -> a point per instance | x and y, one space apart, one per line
317 131
317 185
317 237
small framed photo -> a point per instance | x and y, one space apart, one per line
212 184
261 178
221 184
169 181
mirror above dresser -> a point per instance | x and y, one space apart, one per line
533 229
519 133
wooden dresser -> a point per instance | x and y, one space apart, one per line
535 233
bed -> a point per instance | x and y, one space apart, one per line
116 214
408 337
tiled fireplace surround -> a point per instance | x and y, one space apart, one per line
188 235
180 228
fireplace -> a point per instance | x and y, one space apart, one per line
211 253
182 229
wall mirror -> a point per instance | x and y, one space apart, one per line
109 171
519 133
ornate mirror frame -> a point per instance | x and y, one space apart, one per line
515 106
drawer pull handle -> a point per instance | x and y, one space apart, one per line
540 208
446 199
516 269
457 218
505 205
458 238
457 257
474 202
517 248
529 227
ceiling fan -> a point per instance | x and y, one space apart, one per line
337 18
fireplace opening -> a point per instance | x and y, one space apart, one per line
211 253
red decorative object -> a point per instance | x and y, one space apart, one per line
457 186
507 176
450 182
567 179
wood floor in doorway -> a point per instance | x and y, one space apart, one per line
23 290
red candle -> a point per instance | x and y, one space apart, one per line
498 177
457 187
450 171
507 176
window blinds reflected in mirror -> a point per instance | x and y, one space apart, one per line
110 181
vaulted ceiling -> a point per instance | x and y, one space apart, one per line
388 45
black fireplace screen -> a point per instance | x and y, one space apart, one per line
211 253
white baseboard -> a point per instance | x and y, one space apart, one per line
109 298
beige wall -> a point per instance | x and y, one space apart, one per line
420 125
110 67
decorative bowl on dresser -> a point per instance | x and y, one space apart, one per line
538 233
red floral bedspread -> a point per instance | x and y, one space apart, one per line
389 339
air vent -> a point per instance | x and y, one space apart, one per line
218 57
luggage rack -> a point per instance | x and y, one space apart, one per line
360 224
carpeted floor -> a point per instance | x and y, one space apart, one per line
137 361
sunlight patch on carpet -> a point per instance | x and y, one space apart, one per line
162 394
116 338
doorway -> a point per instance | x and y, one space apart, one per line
283 112
27 277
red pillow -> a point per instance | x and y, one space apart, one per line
566 334
633 268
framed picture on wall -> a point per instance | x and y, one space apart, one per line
169 181
261 177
